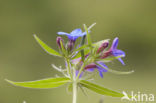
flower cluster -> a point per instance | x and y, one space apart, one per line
81 59
94 58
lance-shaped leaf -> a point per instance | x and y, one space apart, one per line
82 51
110 58
82 47
100 90
45 83
46 47
115 71
63 48
88 35
83 40
91 26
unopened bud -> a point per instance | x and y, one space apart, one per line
59 40
90 66
106 54
103 46
70 45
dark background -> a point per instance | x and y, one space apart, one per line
22 59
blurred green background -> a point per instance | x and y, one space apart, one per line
22 59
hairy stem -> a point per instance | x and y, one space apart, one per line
74 92
69 68
80 71
74 86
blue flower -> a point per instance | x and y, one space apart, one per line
115 52
101 70
74 34
92 67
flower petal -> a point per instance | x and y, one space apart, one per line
62 33
100 68
71 37
90 69
121 61
82 34
118 53
76 32
100 73
115 43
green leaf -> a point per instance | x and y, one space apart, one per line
46 47
114 71
45 83
91 26
82 89
62 47
82 51
100 90
110 58
88 35
82 47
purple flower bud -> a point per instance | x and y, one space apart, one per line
106 54
103 46
113 51
58 41
92 65
70 45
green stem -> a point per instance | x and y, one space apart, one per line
74 86
74 91
81 69
69 69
